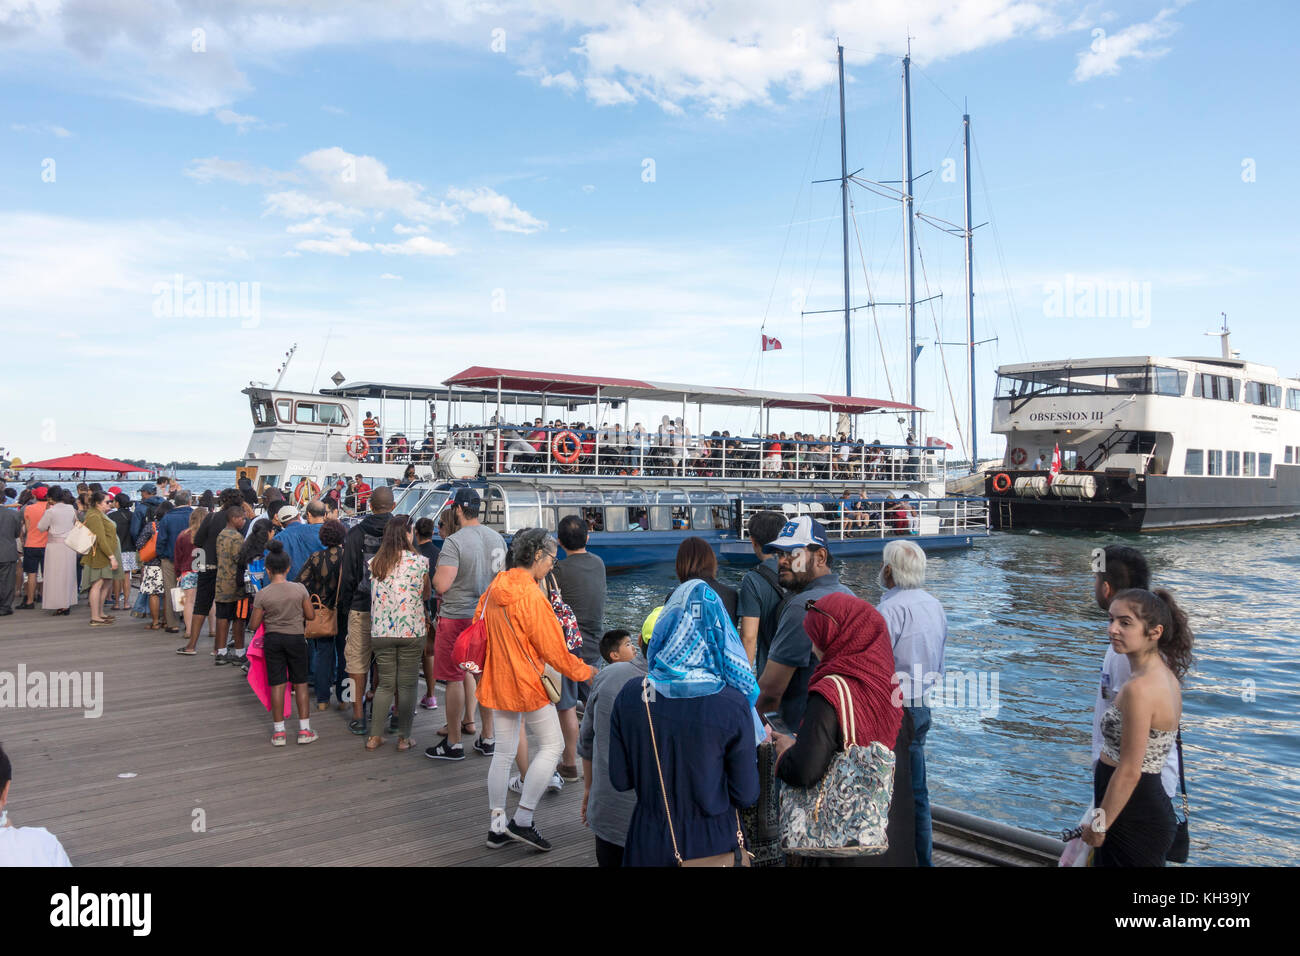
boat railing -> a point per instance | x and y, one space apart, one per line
857 517
616 454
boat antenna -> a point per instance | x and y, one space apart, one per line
284 366
844 221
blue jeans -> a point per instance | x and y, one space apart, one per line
321 654
920 793
339 670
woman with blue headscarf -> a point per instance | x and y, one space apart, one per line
688 734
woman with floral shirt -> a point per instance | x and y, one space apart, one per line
399 586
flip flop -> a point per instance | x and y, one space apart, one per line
374 743
404 744
185 651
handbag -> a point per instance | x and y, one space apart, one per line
80 539
146 543
548 675
1177 852
470 649
564 614
326 621
847 812
739 856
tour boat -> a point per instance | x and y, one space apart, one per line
1145 443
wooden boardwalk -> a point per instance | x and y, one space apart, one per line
206 788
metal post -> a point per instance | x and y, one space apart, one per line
908 233
844 220
681 435
970 296
599 419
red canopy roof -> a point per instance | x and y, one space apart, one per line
83 462
629 388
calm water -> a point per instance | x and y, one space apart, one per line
1020 606
196 480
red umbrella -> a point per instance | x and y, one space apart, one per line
83 462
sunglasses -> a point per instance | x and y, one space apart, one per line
812 606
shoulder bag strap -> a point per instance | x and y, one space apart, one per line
654 747
1182 780
850 728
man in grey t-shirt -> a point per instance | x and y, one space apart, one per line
469 560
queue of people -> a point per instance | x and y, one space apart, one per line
723 700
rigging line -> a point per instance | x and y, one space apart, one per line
935 179
937 87
321 360
872 299
997 245
943 359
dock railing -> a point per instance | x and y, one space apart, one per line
613 453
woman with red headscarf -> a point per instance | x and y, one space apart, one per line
851 641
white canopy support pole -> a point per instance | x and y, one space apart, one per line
596 432
681 435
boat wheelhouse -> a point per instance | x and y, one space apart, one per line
1146 443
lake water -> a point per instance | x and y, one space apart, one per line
1020 607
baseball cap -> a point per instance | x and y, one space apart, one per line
39 492
115 491
802 532
287 513
467 498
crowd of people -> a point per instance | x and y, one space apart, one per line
684 729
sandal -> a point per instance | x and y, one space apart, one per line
153 627
100 623
188 652
404 744
467 729
172 630
374 743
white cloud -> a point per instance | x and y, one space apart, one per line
213 168
1103 56
416 246
565 80
338 245
335 110
604 92
51 128
404 230
363 183
240 121
298 205
503 214
589 188
390 275
238 252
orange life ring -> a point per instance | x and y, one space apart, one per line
1018 456
562 441
357 448
306 490
1001 482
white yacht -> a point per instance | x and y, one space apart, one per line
1145 443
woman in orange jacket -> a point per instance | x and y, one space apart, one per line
523 636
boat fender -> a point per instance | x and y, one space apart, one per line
1002 482
357 448
1018 456
566 448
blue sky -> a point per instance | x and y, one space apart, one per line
415 188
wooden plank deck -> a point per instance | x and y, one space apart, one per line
196 739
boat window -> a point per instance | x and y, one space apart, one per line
701 517
1234 464
616 519
1248 464
1261 393
495 518
721 517
320 413
1122 379
284 409
549 519
263 411
1195 464
1293 399
638 519
1266 464
1170 381
1288 455
681 518
595 518
523 516
661 518
1219 387
1216 462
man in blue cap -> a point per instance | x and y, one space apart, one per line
804 568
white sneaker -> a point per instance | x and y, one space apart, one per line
516 784
556 784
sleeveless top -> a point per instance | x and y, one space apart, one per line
1159 742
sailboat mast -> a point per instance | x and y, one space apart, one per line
908 221
844 218
970 295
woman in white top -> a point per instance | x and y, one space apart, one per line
25 846
60 591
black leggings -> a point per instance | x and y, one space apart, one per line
608 854
1142 834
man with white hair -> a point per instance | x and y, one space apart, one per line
918 629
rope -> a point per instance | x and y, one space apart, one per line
943 360
875 319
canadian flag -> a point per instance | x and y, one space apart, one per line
770 343
1056 464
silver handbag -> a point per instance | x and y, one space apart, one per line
847 812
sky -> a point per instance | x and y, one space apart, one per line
404 190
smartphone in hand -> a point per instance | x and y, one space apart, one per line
778 725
